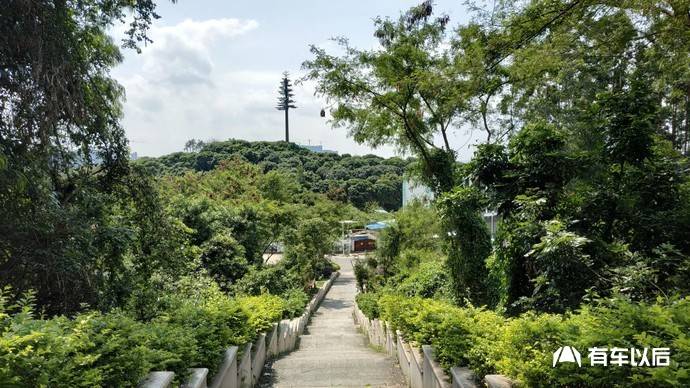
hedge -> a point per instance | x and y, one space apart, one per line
113 349
522 347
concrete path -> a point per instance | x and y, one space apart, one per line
331 351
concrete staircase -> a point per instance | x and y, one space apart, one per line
332 352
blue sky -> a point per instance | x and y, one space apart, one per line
213 69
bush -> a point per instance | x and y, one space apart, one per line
93 349
263 311
216 322
522 347
429 280
368 303
274 279
295 300
115 350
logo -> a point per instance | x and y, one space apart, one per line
566 354
603 356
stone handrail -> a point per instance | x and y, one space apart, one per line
419 366
246 371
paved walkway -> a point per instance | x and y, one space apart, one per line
331 351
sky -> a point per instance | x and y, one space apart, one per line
213 69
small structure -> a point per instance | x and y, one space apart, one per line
318 149
376 226
363 241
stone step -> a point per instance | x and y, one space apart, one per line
332 352
371 363
339 353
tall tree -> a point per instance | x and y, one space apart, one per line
405 93
410 93
547 60
63 153
286 101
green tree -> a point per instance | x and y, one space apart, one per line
405 94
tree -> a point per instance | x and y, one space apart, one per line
286 101
71 208
194 145
406 93
377 179
546 60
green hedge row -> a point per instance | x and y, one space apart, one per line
522 347
115 350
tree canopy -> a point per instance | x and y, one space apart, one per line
359 180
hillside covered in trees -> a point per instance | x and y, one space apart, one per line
359 180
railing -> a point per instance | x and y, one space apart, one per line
246 371
419 366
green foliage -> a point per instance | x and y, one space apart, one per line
115 350
522 347
563 269
263 311
224 258
214 321
368 302
307 246
413 238
431 279
469 243
295 300
93 349
72 222
290 169
275 280
404 93
277 185
590 195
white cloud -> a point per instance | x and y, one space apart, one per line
204 32
181 54
176 91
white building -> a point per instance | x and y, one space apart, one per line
412 190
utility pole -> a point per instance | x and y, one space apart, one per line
286 101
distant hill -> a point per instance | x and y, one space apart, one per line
359 180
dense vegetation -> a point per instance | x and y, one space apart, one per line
585 107
363 181
107 271
522 347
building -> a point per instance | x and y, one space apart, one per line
358 241
412 190
318 149
363 243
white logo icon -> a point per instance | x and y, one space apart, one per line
566 354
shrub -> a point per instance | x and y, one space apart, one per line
115 350
275 280
522 347
429 280
224 258
215 322
93 349
368 303
263 311
295 300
